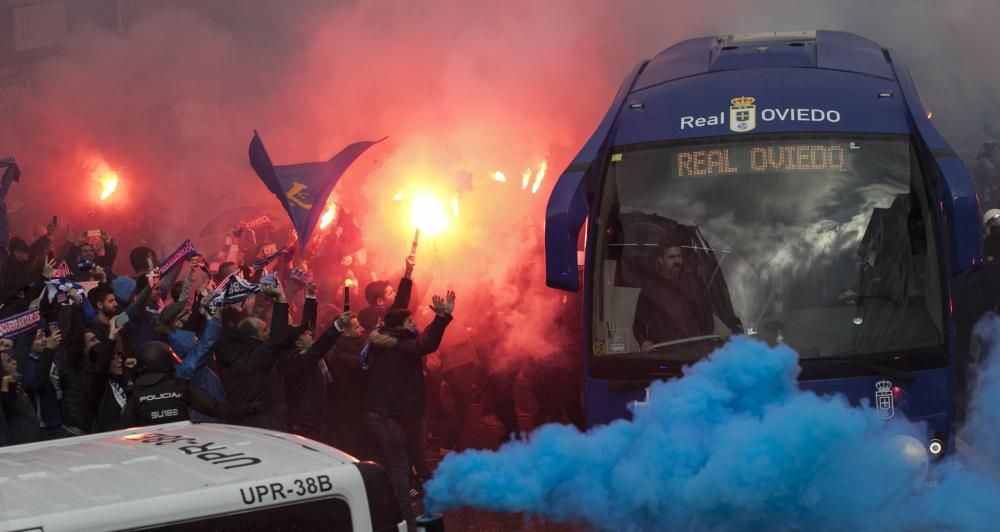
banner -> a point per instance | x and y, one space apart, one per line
20 323
303 189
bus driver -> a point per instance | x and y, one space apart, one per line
673 304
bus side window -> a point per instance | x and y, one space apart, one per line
317 514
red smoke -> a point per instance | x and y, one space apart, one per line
463 89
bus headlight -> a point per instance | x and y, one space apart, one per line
936 447
914 454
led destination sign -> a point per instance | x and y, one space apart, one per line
759 159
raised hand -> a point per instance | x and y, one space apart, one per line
311 289
114 328
443 306
49 269
100 274
54 340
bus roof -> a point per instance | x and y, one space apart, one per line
84 472
826 50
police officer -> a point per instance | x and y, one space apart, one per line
158 397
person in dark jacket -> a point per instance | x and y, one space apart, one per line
83 250
381 297
75 372
41 381
18 414
395 399
306 375
159 397
346 394
110 380
673 304
247 358
22 266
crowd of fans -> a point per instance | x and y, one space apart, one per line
114 351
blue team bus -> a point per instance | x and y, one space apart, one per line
785 186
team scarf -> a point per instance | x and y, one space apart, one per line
259 221
20 323
62 270
234 289
260 263
185 251
59 288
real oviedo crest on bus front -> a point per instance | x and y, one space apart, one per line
742 114
883 398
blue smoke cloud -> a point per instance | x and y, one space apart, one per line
735 445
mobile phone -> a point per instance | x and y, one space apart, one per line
55 220
53 328
93 232
121 319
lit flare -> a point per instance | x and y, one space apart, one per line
539 176
106 177
428 214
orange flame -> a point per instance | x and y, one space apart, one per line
328 215
499 177
525 179
105 176
539 176
428 214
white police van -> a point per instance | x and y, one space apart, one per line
185 477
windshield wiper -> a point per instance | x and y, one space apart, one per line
684 341
904 376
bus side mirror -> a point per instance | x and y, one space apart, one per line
961 208
564 216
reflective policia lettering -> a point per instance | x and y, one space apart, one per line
209 452
164 395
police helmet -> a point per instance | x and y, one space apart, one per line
155 357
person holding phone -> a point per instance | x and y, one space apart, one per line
103 299
41 372
86 249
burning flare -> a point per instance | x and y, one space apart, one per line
105 176
328 215
428 214
539 176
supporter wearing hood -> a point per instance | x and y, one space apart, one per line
381 297
395 400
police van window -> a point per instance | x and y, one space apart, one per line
820 242
314 515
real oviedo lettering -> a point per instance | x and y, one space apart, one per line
743 116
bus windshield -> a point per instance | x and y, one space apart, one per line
823 243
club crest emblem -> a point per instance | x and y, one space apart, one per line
742 114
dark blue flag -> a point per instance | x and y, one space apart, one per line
304 188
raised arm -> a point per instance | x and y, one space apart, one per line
405 289
430 339
197 359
